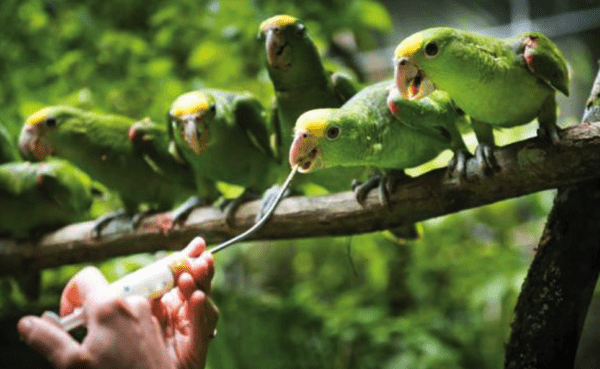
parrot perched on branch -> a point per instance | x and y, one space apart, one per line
138 167
499 83
41 196
223 136
363 132
8 151
301 84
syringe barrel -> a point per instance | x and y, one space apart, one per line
151 281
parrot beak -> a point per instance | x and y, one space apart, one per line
305 152
411 81
278 50
33 144
192 133
134 133
393 96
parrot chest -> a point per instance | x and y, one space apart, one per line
503 99
230 157
395 146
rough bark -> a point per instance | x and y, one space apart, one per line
555 296
528 166
554 299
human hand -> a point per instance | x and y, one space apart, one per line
170 332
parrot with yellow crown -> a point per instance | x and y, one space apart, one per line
113 151
301 83
223 136
498 83
365 133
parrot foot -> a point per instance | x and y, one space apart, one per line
230 206
104 220
137 218
457 166
549 133
484 154
181 214
385 186
268 198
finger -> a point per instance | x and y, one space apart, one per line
204 316
186 285
76 290
195 248
159 310
50 341
202 271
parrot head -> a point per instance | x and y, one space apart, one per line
322 140
38 134
291 55
190 118
280 33
416 61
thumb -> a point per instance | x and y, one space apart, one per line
50 341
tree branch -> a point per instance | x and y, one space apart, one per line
528 166
555 296
554 299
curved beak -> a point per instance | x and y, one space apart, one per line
277 49
33 144
191 133
412 82
305 152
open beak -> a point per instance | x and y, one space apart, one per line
305 152
33 144
411 81
191 133
278 54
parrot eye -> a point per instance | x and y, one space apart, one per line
213 107
431 49
300 29
333 133
50 122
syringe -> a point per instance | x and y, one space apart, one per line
158 278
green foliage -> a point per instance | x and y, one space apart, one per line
367 301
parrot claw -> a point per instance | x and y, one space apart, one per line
230 206
181 214
268 198
104 220
458 164
137 218
549 133
361 190
385 185
484 154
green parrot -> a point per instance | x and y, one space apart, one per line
499 83
41 196
138 167
8 151
302 84
364 132
223 136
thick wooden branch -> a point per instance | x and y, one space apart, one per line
527 166
555 296
554 299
